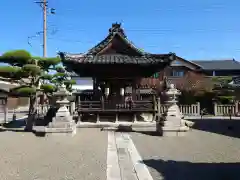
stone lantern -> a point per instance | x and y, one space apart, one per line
63 121
173 108
172 122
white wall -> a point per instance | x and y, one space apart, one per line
82 83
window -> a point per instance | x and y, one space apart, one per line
177 73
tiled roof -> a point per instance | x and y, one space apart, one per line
137 56
219 64
119 59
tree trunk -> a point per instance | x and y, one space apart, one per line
31 114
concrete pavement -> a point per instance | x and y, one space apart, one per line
93 154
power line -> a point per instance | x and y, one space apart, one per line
152 31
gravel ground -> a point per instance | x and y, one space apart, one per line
199 155
55 157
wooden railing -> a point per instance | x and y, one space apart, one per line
112 106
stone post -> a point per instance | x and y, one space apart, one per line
198 109
236 107
215 108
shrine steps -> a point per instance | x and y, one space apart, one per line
131 126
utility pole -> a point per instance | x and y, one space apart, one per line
44 5
44 28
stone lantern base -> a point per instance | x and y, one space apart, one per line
171 127
172 123
62 123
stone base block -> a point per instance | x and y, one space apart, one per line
60 130
147 128
43 129
61 124
61 127
173 131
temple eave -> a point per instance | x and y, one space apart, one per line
116 59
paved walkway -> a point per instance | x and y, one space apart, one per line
93 154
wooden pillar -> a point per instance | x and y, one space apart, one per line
134 90
78 108
159 106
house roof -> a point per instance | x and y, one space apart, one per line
219 64
183 62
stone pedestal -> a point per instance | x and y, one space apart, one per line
62 122
172 122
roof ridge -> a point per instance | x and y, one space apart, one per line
213 60
116 29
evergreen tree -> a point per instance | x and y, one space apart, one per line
33 75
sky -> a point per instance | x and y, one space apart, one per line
193 29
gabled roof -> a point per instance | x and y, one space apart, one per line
125 52
219 64
183 62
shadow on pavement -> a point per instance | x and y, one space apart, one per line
39 134
15 124
183 170
225 127
127 128
19 126
150 133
